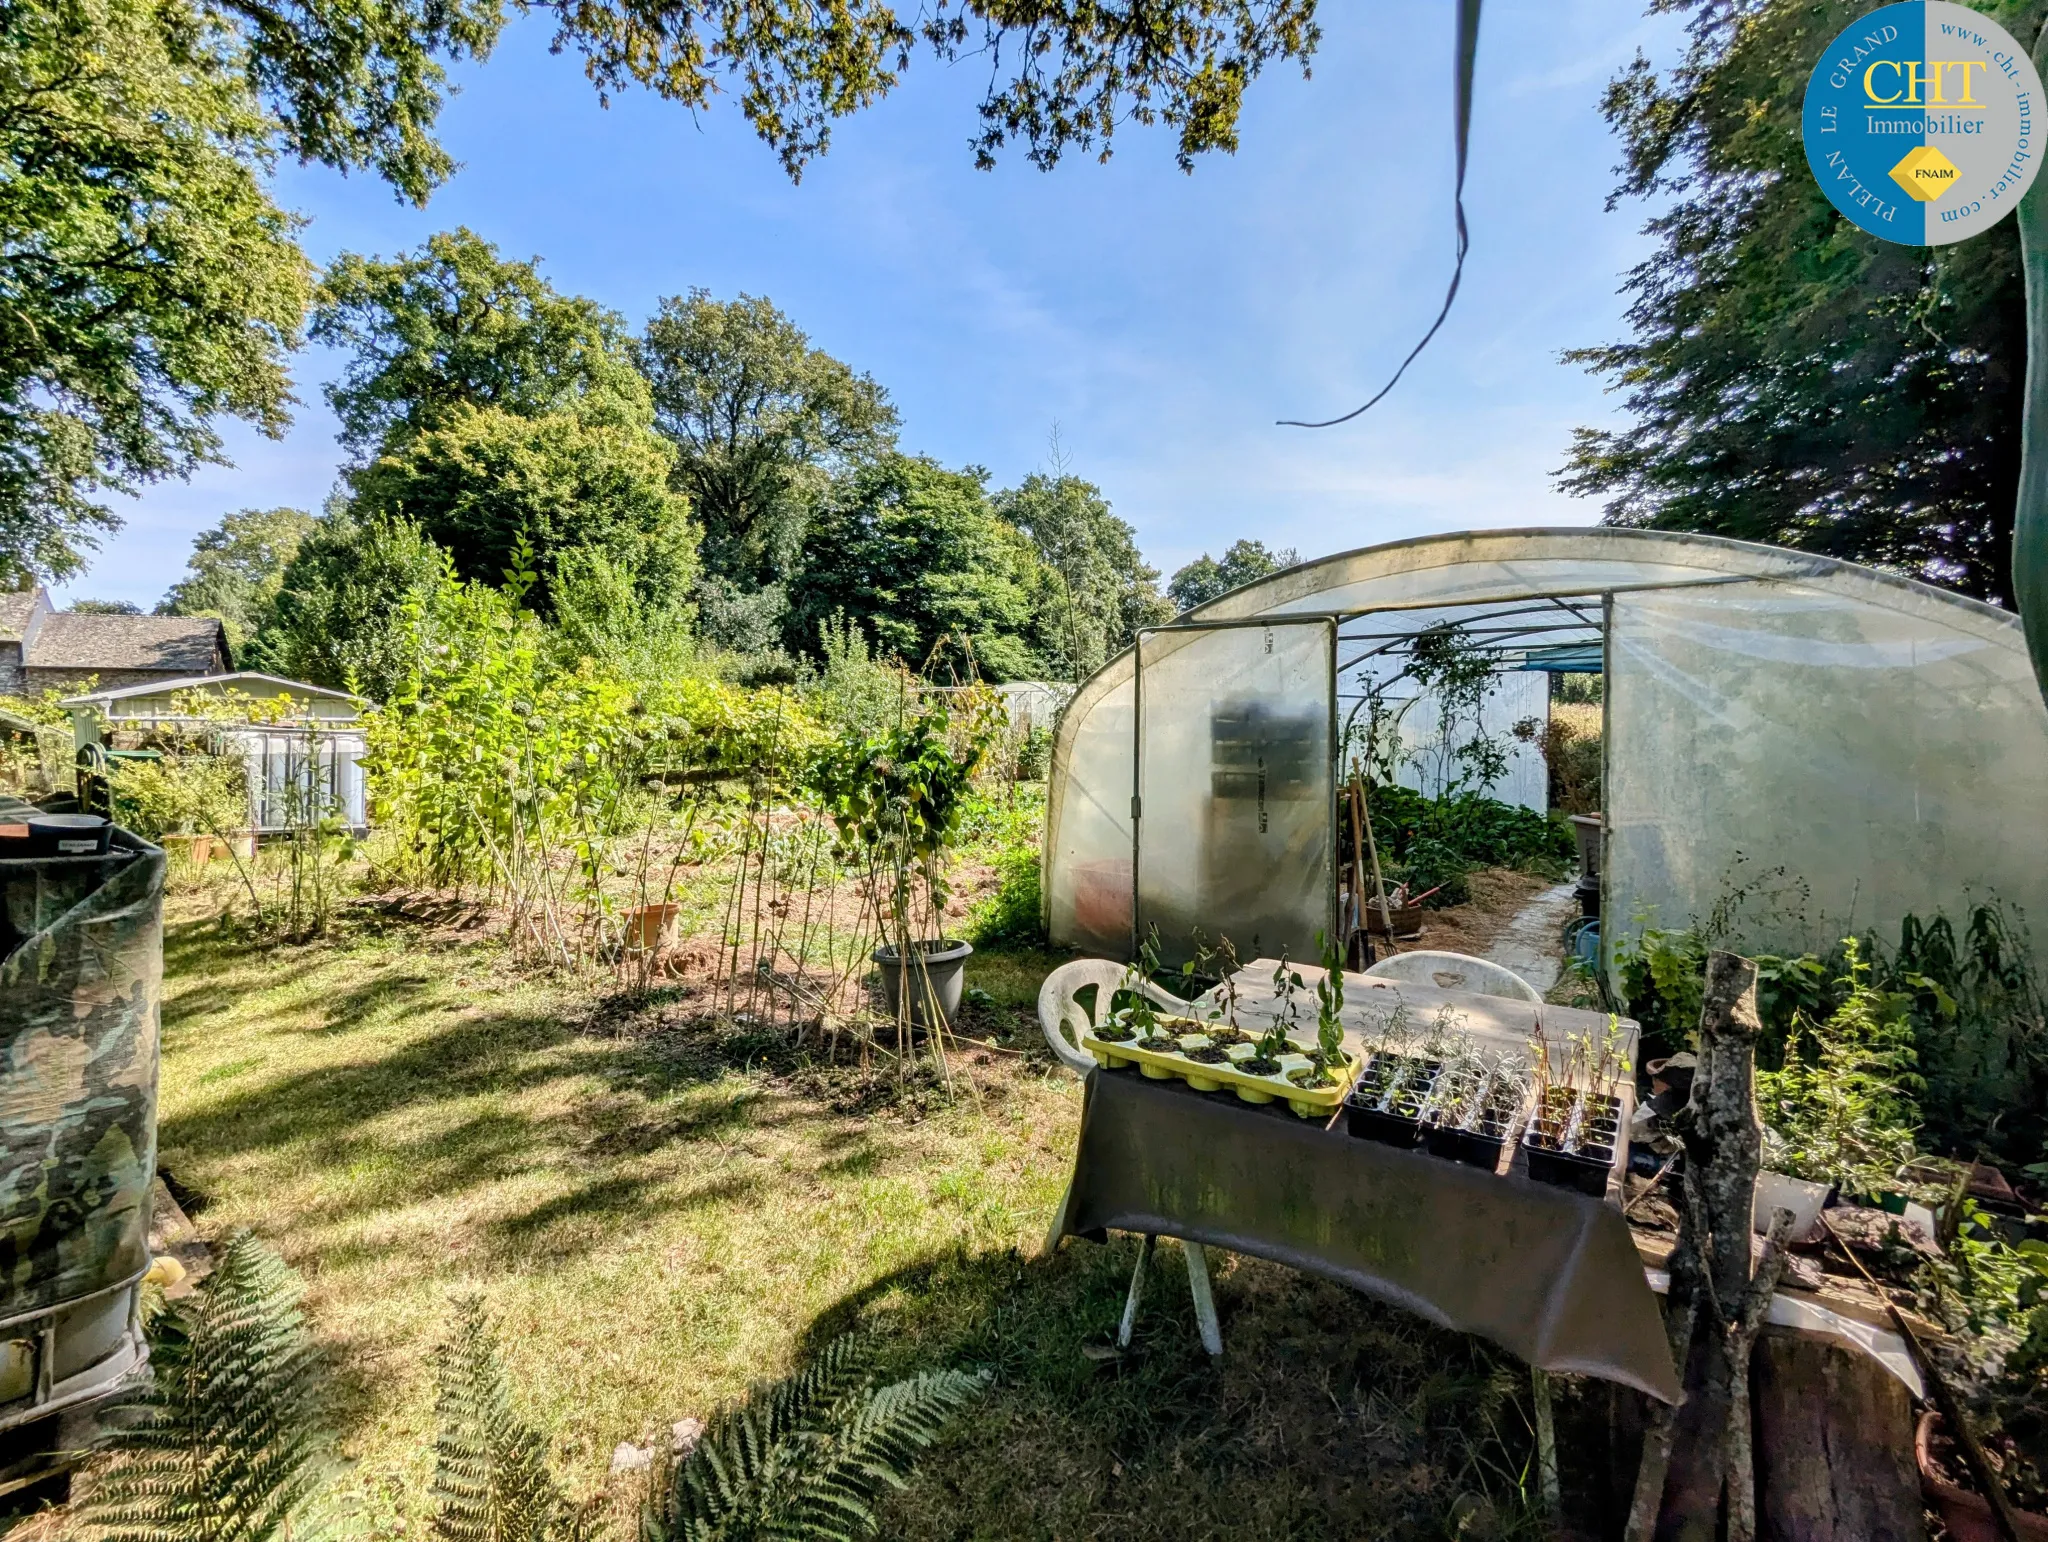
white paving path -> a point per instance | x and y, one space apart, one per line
1533 943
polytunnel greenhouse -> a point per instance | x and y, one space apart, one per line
1878 745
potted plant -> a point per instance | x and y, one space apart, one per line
1964 1513
896 799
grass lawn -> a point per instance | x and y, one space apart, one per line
658 1207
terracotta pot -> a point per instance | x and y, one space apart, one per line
650 926
196 849
1967 1516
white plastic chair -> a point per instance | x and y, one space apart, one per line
1059 1012
1456 972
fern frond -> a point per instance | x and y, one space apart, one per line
491 1481
802 1460
222 1445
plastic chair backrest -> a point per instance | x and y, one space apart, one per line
1059 1012
1456 972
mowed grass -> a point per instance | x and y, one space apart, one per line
659 1207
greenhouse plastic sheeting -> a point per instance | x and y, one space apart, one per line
1090 846
1235 745
1850 758
81 964
1893 754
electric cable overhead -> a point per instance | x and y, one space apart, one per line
1468 47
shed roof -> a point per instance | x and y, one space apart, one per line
241 679
190 644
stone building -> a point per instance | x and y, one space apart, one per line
43 648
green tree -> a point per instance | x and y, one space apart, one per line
1205 578
456 325
915 556
762 423
1097 588
148 285
104 608
337 618
493 411
1790 378
486 480
236 568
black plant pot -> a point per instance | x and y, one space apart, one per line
1586 1170
69 835
1400 1125
945 965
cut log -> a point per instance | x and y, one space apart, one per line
1834 1445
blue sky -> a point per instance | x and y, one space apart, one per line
1162 321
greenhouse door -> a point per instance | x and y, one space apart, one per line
1235 807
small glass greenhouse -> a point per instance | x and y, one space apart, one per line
1871 746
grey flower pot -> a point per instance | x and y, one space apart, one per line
945 964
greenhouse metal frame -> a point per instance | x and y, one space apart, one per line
1795 746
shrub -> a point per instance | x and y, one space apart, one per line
1972 1001
1842 1109
1013 912
1481 832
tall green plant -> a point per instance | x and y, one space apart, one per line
805 1458
1842 1109
494 764
897 798
223 1445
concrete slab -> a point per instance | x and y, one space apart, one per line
1533 945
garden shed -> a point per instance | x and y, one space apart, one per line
1844 746
290 734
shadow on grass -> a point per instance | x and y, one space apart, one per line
442 1108
1329 1415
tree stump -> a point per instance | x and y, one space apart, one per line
1834 1445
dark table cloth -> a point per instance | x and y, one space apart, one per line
1545 1273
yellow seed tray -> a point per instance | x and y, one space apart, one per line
1203 1076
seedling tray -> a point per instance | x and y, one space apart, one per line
1587 1171
1467 1146
1219 1076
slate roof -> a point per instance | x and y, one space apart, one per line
185 645
15 609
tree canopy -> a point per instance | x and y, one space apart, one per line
236 569
761 422
1791 379
915 556
488 484
453 325
337 617
148 284
500 416
1205 578
1101 589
